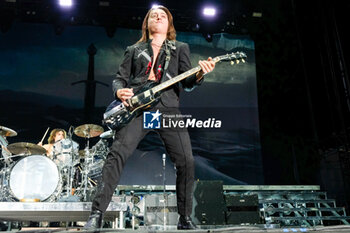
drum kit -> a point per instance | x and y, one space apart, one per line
28 174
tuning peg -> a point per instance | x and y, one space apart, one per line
232 62
237 61
243 61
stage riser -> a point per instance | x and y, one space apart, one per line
59 211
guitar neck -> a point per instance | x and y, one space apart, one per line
176 79
232 57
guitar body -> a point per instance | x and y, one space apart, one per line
117 115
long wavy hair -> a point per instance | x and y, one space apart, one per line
53 133
171 34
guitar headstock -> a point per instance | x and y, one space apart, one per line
236 57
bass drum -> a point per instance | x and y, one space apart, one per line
35 177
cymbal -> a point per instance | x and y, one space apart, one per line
88 130
7 132
26 148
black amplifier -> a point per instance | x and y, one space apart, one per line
242 209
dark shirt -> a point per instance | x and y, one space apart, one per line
135 69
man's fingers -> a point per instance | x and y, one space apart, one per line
125 103
127 95
205 66
201 64
127 92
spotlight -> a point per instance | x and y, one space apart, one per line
209 11
155 5
65 3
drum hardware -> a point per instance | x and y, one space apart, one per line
94 160
3 141
87 184
100 149
87 131
6 154
6 132
16 156
25 148
87 161
5 161
82 154
4 183
91 170
90 180
70 147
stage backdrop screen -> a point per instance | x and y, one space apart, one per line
38 67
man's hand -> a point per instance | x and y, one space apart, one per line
206 67
124 94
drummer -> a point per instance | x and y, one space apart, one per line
55 136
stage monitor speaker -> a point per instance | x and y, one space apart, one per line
208 203
242 209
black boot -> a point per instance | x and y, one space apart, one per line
185 223
95 220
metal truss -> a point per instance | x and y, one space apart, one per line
300 208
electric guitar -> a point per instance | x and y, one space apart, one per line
117 115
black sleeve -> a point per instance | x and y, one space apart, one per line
122 77
184 65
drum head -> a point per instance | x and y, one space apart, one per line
34 177
65 146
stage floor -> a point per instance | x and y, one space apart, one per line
242 229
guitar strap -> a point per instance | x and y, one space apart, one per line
167 59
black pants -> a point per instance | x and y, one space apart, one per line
178 146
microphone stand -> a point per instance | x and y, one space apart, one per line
164 194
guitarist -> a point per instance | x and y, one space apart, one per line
145 62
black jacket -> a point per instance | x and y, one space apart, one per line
135 69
